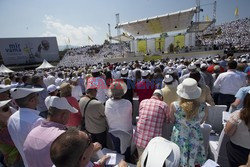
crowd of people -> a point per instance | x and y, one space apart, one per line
235 33
89 55
64 116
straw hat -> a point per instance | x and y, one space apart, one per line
188 89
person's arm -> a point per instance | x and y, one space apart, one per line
209 98
167 112
205 116
235 103
231 125
171 114
217 82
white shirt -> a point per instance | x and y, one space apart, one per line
76 92
119 114
101 90
58 81
20 124
229 82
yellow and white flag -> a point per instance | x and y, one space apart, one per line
89 39
236 12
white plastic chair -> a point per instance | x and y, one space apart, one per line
215 117
218 152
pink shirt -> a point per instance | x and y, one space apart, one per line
75 119
144 89
37 144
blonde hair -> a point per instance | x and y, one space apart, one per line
190 107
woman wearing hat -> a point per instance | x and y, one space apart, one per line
118 113
187 114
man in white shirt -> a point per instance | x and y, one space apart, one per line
59 80
228 83
26 118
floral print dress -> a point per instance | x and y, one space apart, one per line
188 136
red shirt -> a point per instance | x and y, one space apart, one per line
210 69
144 89
75 119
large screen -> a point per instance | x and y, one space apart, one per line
15 51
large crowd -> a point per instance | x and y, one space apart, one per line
63 116
89 55
235 34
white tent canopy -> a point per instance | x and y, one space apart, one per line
176 21
4 69
45 65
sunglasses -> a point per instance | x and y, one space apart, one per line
5 108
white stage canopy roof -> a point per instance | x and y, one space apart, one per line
123 37
164 23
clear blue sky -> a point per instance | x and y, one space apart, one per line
76 19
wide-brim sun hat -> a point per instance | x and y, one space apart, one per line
188 89
117 89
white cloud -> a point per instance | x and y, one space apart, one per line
63 32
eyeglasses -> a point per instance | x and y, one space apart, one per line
89 137
5 108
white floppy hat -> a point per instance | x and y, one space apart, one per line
18 93
52 88
168 78
188 89
117 89
3 103
160 151
59 103
4 88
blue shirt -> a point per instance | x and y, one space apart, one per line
242 92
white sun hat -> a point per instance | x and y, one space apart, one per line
168 78
4 88
188 89
160 151
59 103
52 88
3 103
18 93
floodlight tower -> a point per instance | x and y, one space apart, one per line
109 33
197 15
117 23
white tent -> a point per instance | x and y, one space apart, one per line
176 21
4 69
45 65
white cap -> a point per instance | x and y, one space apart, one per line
203 65
168 78
74 79
4 88
52 88
18 93
3 103
170 71
191 66
94 70
124 71
159 91
59 103
145 73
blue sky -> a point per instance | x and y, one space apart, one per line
78 19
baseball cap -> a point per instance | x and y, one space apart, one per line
60 103
158 91
52 88
18 93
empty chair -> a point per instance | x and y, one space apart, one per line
218 152
215 117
